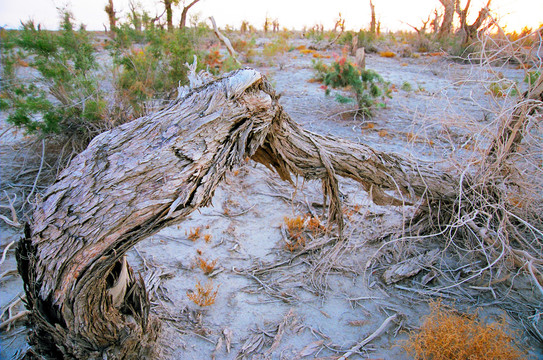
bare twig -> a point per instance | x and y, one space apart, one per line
225 41
39 171
14 220
370 338
14 318
6 251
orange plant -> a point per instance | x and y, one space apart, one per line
206 266
296 228
214 58
388 54
307 51
203 295
194 234
446 335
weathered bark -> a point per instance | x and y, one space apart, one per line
373 23
110 11
448 15
153 172
469 31
184 12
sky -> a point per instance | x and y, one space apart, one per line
292 14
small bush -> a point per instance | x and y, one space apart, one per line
194 233
406 86
367 85
388 54
503 88
65 99
207 266
447 335
276 47
298 227
203 295
531 77
153 71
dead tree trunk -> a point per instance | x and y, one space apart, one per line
183 21
373 24
128 184
448 15
469 31
136 179
110 11
224 40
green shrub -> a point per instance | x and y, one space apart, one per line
64 98
531 77
369 88
406 86
153 70
276 47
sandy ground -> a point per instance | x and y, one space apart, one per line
272 303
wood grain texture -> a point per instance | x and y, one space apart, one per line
151 173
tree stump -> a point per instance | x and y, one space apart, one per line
360 58
138 178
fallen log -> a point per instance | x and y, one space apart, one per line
132 181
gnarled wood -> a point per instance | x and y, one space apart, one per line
151 173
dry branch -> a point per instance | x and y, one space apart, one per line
225 40
370 338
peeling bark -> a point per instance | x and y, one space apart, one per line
151 173
448 15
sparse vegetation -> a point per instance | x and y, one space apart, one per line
203 295
66 100
298 229
368 86
448 335
72 84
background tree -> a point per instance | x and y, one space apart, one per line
169 13
436 21
186 8
267 23
448 15
135 16
373 24
110 11
468 31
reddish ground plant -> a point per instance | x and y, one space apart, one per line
298 227
203 295
207 266
448 335
195 233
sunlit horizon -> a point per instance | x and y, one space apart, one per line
292 14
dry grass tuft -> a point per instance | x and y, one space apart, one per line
388 54
194 234
203 295
206 265
297 229
447 335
